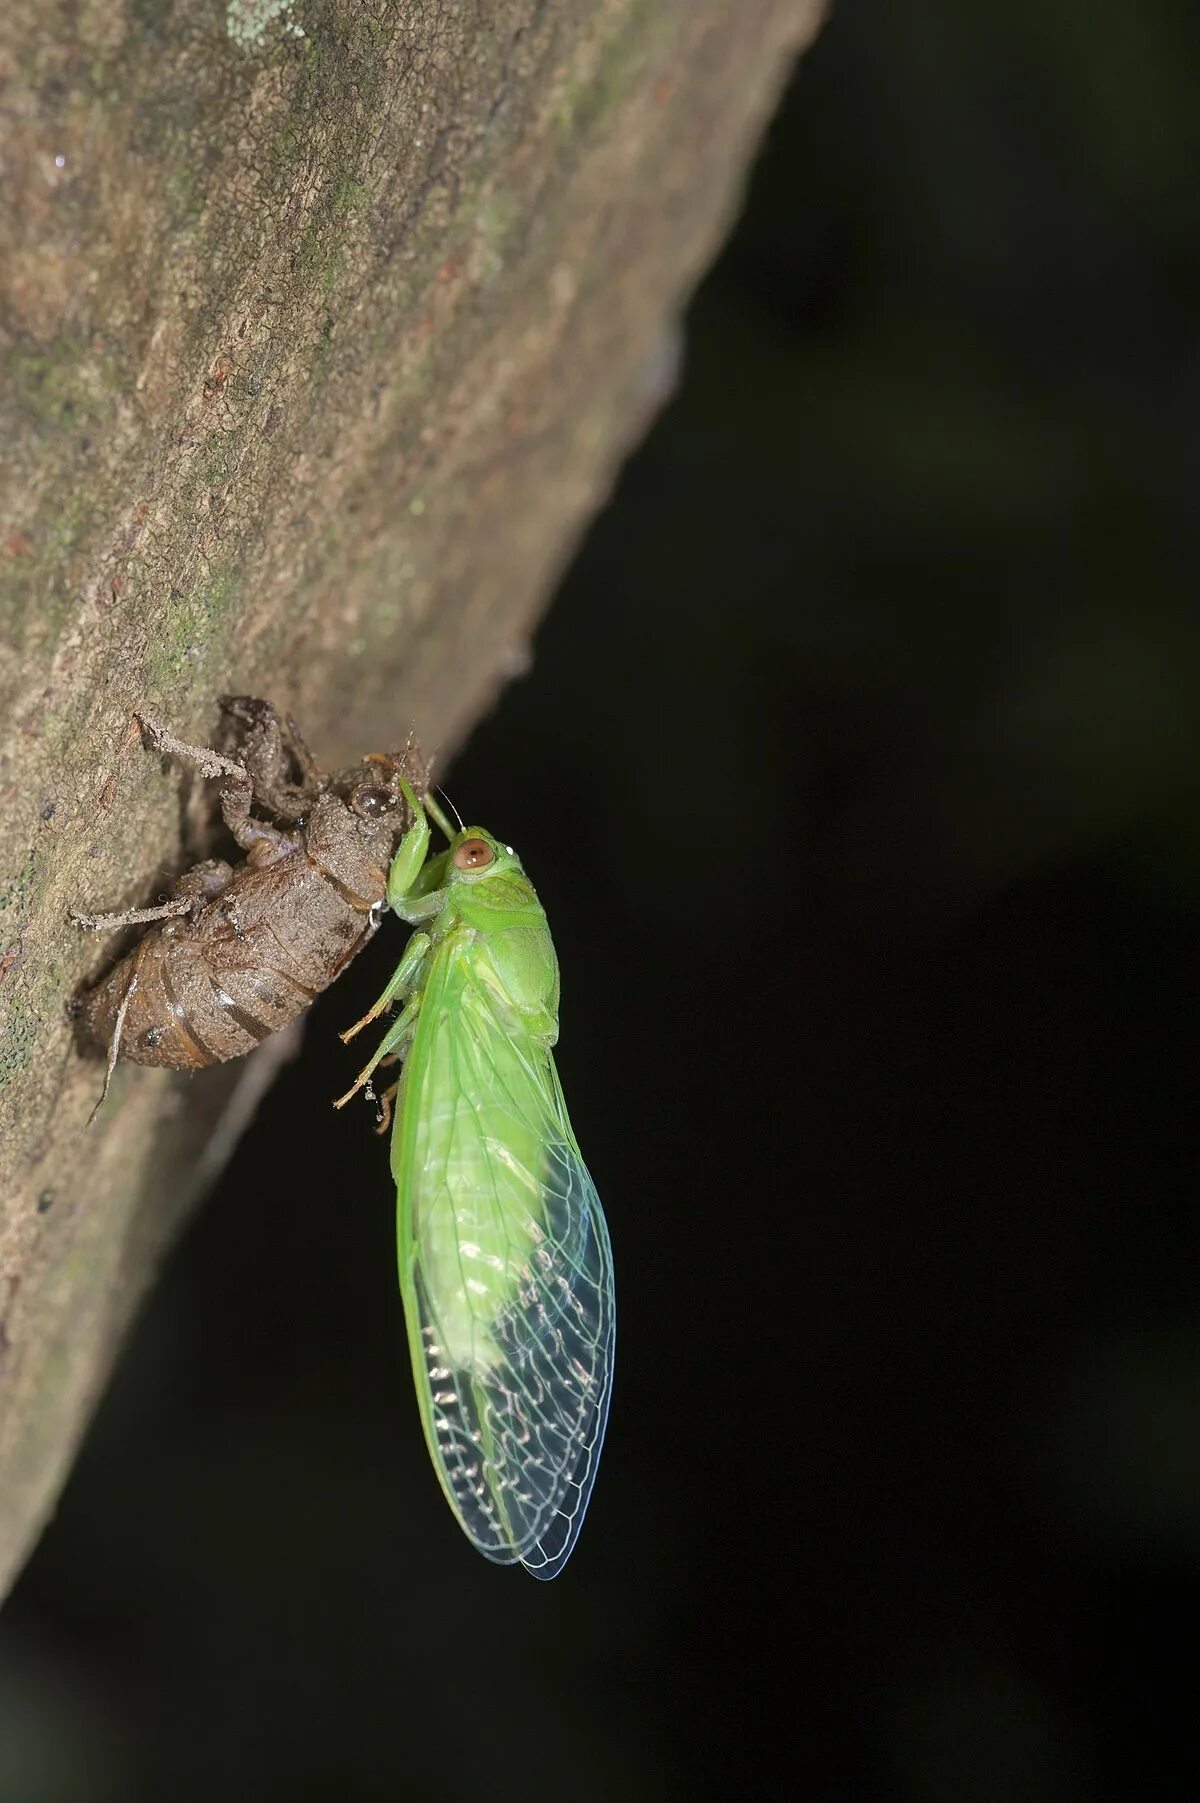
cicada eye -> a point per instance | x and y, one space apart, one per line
474 854
374 801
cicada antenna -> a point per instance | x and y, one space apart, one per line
451 806
434 809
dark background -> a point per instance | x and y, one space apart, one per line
858 774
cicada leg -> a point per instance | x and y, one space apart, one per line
394 1040
402 980
386 1104
114 1045
188 895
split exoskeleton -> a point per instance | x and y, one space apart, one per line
239 950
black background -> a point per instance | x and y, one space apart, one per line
857 772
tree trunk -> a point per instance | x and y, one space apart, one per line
323 331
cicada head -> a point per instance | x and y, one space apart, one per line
373 793
485 877
476 857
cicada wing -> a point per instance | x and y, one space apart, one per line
583 1364
506 1272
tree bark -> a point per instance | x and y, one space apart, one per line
322 331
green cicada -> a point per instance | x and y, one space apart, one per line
505 1264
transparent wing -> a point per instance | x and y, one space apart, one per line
506 1272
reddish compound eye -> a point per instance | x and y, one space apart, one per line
474 854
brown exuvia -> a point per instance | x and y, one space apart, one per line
240 950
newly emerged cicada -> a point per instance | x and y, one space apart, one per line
505 1265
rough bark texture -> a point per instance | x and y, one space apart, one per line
322 333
